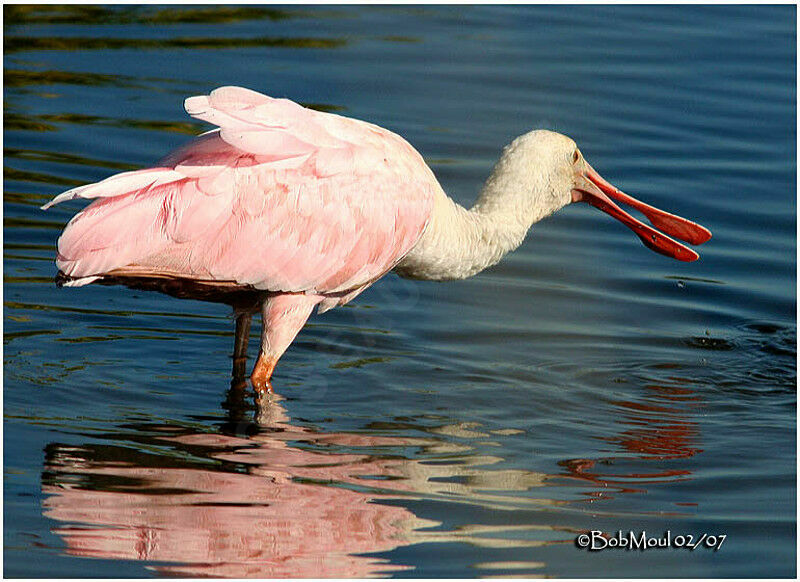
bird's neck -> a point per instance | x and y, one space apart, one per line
459 243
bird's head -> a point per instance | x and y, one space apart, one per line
553 171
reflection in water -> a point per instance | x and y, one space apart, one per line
660 427
17 44
148 15
235 506
271 499
87 15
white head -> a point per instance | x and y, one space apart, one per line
540 172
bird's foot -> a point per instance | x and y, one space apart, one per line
262 372
261 386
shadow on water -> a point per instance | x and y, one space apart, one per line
264 496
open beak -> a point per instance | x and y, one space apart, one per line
592 188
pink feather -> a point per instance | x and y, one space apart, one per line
280 197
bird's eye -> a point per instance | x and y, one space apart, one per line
575 156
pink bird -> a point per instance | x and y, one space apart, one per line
283 209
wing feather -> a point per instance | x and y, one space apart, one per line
280 197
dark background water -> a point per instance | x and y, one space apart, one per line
463 429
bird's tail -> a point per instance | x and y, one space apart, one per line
119 227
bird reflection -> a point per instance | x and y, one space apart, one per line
657 427
266 497
285 501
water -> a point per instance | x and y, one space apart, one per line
463 429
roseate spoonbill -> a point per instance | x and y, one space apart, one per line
283 208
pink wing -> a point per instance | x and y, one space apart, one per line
280 197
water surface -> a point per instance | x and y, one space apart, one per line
463 429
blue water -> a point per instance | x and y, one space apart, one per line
465 429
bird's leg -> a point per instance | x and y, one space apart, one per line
282 317
262 373
242 334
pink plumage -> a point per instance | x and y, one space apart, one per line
283 209
276 199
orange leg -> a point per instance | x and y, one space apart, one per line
282 318
262 373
